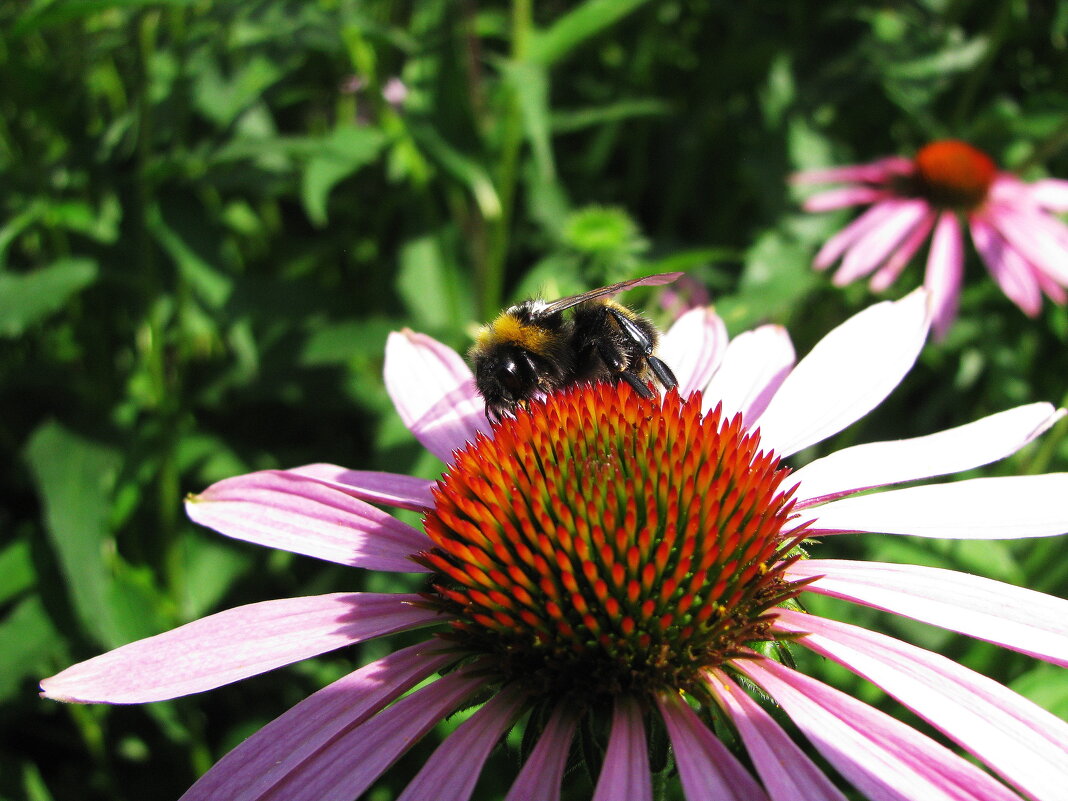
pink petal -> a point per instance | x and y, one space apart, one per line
234 644
707 769
843 197
434 392
451 772
279 748
693 348
873 248
754 366
847 374
1034 236
1021 741
625 773
1014 617
945 271
1011 270
391 489
1004 507
880 463
346 766
542 773
875 172
882 757
284 509
787 773
898 261
871 219
1052 193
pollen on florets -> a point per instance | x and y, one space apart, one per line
603 543
953 174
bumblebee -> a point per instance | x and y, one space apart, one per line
534 348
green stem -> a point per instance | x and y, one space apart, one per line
998 31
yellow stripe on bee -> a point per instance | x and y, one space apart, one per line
506 328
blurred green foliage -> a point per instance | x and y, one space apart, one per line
214 212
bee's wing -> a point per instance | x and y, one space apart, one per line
612 289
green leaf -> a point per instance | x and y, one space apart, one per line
224 99
338 156
28 298
16 570
578 25
74 478
461 167
434 289
209 283
530 83
27 638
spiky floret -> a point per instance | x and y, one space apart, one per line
601 543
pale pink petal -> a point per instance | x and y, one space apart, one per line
235 644
434 392
1031 236
898 261
754 366
875 172
787 773
945 271
847 374
346 766
1002 507
1015 617
882 757
871 219
451 772
875 246
844 196
1013 273
280 747
706 768
625 772
1015 737
543 772
880 463
1053 290
391 489
283 509
1052 193
693 348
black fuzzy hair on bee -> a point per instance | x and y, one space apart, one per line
534 348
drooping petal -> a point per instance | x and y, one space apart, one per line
847 374
899 259
875 172
1003 507
754 366
882 757
543 772
877 464
843 197
706 768
279 748
1031 237
1010 269
1051 193
945 272
787 773
1014 617
873 248
344 768
1021 741
693 348
235 644
451 772
625 772
391 489
283 509
434 392
838 244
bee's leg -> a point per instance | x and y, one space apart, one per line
662 372
632 331
637 384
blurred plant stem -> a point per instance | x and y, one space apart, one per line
995 37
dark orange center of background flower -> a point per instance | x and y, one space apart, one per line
953 174
602 543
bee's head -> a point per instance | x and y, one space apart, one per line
505 375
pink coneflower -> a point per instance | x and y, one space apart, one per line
624 567
1024 247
